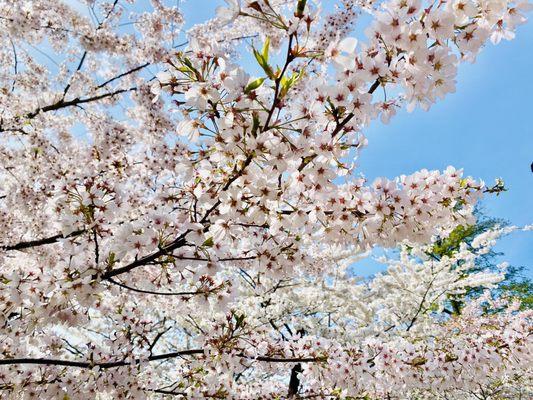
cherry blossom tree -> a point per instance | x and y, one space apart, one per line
174 226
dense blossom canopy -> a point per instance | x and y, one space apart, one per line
188 234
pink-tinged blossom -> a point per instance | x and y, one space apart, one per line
176 224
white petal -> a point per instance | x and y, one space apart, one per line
348 45
344 62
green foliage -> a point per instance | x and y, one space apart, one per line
519 287
451 244
513 286
254 85
466 234
208 242
262 59
288 82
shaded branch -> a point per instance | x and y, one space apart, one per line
277 83
82 60
131 71
77 101
349 117
133 289
84 364
165 250
178 242
159 357
40 242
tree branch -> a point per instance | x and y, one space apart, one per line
65 91
180 241
153 292
277 82
77 101
131 71
348 118
159 357
40 242
90 365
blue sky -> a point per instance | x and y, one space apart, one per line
485 128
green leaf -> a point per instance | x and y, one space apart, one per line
255 125
188 63
451 244
239 320
288 82
111 259
521 291
259 57
254 85
263 62
266 46
209 242
191 68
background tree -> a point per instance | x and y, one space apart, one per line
515 285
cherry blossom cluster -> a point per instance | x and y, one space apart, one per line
175 225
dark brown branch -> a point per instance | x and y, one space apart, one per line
131 71
288 360
294 382
15 64
277 83
133 289
413 320
108 14
220 259
348 118
165 250
227 185
96 248
156 339
340 126
178 242
142 66
65 91
63 104
159 357
168 392
74 102
77 101
83 364
40 242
